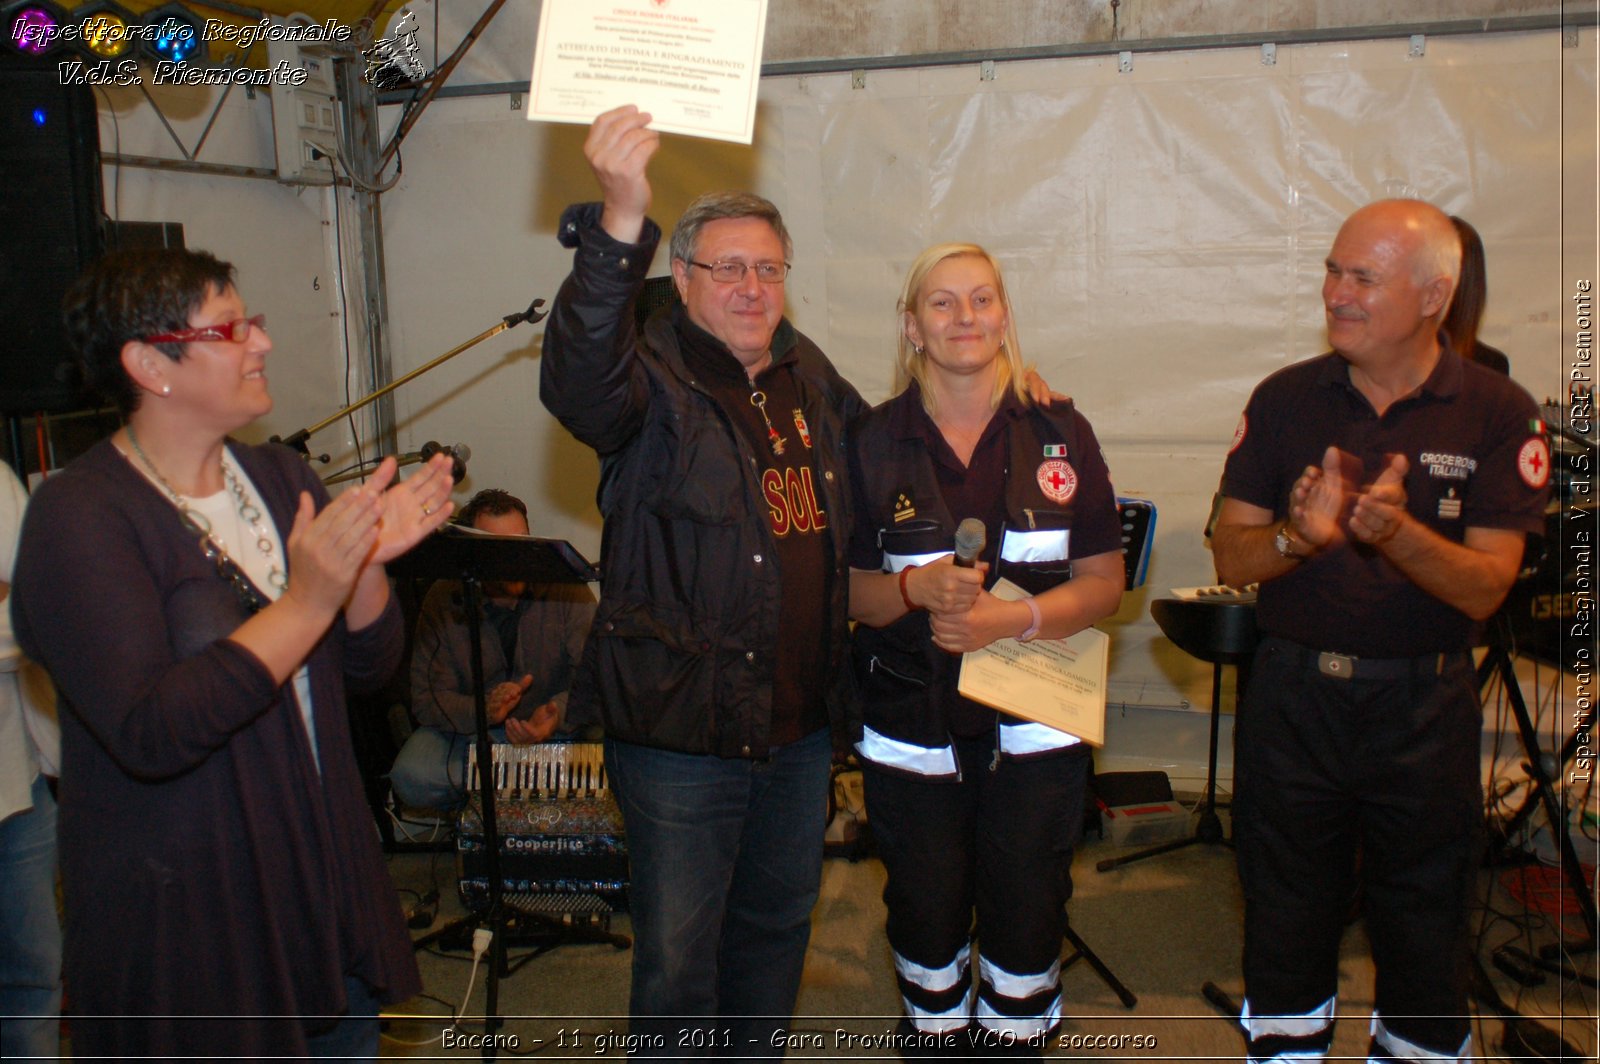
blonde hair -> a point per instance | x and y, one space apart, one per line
911 364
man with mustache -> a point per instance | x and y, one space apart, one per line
1380 494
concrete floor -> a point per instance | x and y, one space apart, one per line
1164 926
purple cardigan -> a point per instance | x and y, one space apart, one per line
207 868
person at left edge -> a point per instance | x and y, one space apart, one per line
201 605
30 751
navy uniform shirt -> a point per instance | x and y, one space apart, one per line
1478 459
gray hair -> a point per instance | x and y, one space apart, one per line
1441 250
714 206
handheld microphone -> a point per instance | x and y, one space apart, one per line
970 541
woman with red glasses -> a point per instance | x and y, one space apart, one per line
202 604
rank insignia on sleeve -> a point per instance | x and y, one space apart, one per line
1450 505
903 510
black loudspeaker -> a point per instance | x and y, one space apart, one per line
121 235
50 211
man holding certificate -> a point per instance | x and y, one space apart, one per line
972 809
717 661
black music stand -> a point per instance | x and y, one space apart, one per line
1138 519
1223 632
473 558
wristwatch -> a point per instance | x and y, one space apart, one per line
1286 542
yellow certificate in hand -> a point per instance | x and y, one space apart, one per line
1059 682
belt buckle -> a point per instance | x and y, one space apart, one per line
1338 666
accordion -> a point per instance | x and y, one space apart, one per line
561 847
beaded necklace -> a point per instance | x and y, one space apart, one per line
214 548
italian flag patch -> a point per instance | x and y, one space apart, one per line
1055 450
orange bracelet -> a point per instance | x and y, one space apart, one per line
911 607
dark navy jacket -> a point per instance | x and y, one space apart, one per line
685 638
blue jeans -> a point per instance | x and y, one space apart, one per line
30 934
430 772
726 859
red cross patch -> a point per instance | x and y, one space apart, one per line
1238 434
1533 462
1057 480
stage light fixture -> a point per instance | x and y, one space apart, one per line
33 27
177 38
105 29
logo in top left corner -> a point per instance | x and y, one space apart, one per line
393 62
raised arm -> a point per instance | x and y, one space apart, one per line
589 376
619 149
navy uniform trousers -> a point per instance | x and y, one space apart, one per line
1324 767
999 843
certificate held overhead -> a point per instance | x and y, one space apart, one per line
694 65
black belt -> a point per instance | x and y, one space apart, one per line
1351 667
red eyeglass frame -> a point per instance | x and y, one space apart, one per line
236 331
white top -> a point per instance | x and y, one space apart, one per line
234 535
30 738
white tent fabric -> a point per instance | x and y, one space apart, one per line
1162 230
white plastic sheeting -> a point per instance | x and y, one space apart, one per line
1162 231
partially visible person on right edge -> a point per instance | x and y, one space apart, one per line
1466 309
972 810
1380 494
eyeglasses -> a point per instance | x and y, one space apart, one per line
234 332
733 272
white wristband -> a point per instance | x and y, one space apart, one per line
1038 619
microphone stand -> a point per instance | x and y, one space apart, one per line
298 439
362 469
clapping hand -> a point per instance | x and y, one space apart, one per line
328 550
503 698
1317 502
1381 508
537 728
412 508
